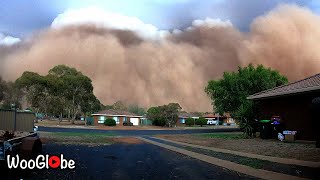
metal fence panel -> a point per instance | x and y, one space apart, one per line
6 119
24 120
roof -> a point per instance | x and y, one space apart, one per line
305 85
186 115
112 112
210 115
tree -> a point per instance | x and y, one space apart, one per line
170 113
2 89
154 114
230 93
12 95
63 91
119 105
136 110
9 94
164 115
201 121
189 121
35 89
107 107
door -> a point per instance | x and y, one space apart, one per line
134 121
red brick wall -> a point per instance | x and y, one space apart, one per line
295 111
95 120
120 121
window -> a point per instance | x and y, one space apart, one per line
116 119
182 121
101 119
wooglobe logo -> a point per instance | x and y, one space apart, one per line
41 162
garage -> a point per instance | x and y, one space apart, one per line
135 121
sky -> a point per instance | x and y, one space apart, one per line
159 43
19 18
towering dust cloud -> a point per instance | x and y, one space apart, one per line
125 67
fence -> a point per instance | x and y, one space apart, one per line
24 120
146 122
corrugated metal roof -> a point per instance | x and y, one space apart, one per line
305 85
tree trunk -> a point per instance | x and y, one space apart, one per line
61 117
37 112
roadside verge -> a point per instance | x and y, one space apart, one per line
259 173
249 155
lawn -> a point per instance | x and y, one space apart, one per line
77 138
222 135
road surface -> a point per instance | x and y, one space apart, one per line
136 132
126 161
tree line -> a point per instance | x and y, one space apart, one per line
66 92
63 92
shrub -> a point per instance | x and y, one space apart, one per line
109 122
201 121
159 121
245 115
189 121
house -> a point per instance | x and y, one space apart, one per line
226 119
184 115
117 115
296 103
212 116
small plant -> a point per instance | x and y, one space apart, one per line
246 126
201 121
189 121
109 122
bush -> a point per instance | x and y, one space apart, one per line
245 115
189 121
159 121
109 122
201 121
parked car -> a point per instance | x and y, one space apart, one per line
213 122
127 123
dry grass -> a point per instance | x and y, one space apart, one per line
128 140
276 148
77 138
54 122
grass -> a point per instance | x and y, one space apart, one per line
78 138
222 135
252 162
83 134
